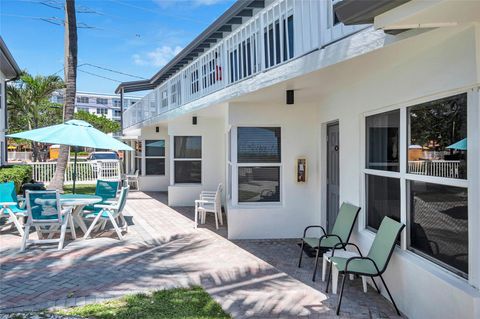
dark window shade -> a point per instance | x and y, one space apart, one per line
382 134
383 199
258 184
259 145
188 147
155 166
155 148
188 172
439 223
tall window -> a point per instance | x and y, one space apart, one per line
187 159
138 156
102 111
431 172
259 163
154 157
382 154
274 52
164 97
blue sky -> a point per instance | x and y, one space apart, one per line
132 36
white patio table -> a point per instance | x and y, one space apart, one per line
78 202
339 253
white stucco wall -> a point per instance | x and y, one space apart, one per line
3 105
299 202
432 65
158 182
212 131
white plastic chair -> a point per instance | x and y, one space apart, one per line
133 179
111 211
209 202
44 210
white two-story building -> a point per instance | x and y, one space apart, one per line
297 106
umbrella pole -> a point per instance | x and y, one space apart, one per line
75 169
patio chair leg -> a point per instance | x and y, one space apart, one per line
16 222
39 232
125 224
92 226
26 234
341 293
390 295
104 223
316 264
63 230
196 217
301 254
117 229
216 220
220 216
375 284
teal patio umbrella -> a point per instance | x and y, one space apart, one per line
75 133
460 145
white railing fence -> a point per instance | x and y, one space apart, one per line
19 156
439 168
284 30
87 172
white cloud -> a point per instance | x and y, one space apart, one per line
158 57
207 2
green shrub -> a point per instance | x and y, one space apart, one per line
20 174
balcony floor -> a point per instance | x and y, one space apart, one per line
249 278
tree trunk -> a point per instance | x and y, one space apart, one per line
71 88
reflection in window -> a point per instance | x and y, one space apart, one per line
383 141
438 138
187 159
188 147
439 223
258 145
155 166
259 184
383 199
155 148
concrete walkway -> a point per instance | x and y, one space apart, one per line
254 279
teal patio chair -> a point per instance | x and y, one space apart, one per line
342 229
10 206
44 210
109 211
376 261
107 190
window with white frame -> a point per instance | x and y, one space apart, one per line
430 175
277 51
82 99
194 80
102 101
154 157
187 159
164 97
258 164
102 111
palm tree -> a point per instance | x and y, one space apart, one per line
71 88
29 104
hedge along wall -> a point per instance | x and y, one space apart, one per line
20 174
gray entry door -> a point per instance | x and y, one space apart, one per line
333 174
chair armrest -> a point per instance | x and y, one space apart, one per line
67 210
102 206
343 245
212 198
361 258
330 235
201 201
313 226
108 202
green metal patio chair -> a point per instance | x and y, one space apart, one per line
110 211
10 206
372 265
342 229
44 210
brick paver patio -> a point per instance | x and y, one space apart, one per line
249 278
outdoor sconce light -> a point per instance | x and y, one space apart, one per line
194 120
290 97
157 129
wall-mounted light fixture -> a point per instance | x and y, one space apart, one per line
157 129
194 120
290 97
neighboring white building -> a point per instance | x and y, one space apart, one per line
98 103
9 71
382 111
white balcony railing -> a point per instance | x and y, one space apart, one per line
439 168
87 172
284 30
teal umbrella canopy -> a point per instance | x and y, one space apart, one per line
73 133
460 145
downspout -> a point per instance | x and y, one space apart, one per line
121 130
5 146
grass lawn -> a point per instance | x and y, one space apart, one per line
80 189
192 303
